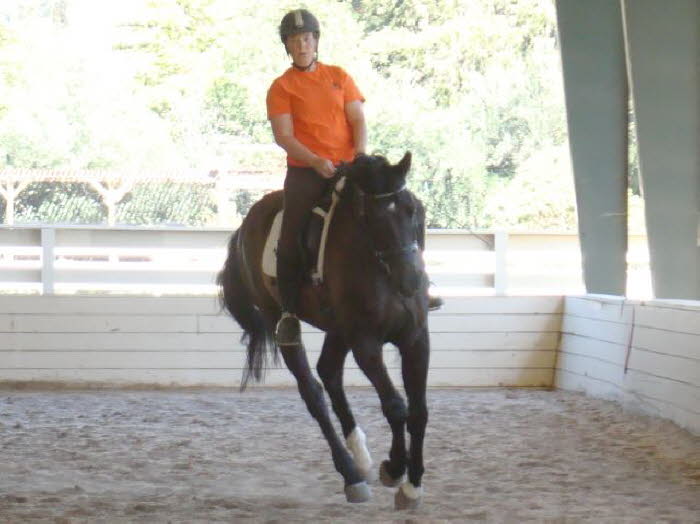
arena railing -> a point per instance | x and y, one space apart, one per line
184 261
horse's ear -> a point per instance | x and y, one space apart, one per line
405 164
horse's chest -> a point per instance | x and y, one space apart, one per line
394 317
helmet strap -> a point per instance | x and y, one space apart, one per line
304 69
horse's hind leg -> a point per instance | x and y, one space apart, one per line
330 369
356 489
368 356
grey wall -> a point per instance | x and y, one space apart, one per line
655 47
595 80
663 49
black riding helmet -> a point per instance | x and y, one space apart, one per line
298 21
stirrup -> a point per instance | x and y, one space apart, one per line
435 303
288 330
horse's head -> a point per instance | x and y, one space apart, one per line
391 217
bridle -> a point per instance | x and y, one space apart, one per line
382 256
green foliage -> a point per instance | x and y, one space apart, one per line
541 195
243 201
481 74
414 15
473 89
227 101
634 174
169 203
171 31
59 203
229 111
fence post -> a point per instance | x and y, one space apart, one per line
48 242
500 277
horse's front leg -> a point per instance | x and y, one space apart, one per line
414 366
356 489
330 369
368 355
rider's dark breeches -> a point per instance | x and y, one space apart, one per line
303 188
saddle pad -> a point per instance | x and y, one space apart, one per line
269 258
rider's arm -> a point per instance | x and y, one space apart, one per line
283 130
356 116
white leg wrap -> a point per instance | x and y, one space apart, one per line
357 444
411 491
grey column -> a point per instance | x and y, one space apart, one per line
663 54
595 84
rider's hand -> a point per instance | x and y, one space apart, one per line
323 167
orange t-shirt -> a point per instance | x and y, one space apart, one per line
316 100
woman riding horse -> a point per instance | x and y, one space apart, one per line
317 117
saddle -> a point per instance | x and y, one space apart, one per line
314 237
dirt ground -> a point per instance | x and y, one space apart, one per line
189 456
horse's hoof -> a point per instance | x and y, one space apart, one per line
359 492
408 497
386 478
370 475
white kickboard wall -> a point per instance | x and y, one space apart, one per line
181 341
645 355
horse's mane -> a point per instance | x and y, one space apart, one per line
373 174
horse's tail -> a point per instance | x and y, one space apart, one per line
235 295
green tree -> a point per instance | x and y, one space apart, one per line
59 203
167 203
473 89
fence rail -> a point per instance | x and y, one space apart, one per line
79 259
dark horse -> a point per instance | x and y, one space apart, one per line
374 291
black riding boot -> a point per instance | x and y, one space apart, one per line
288 330
434 302
302 189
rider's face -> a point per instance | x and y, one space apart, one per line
302 47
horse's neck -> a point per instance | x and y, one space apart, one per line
353 239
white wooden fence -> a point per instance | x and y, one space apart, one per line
75 259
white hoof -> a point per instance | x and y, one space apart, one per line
359 492
357 444
408 496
